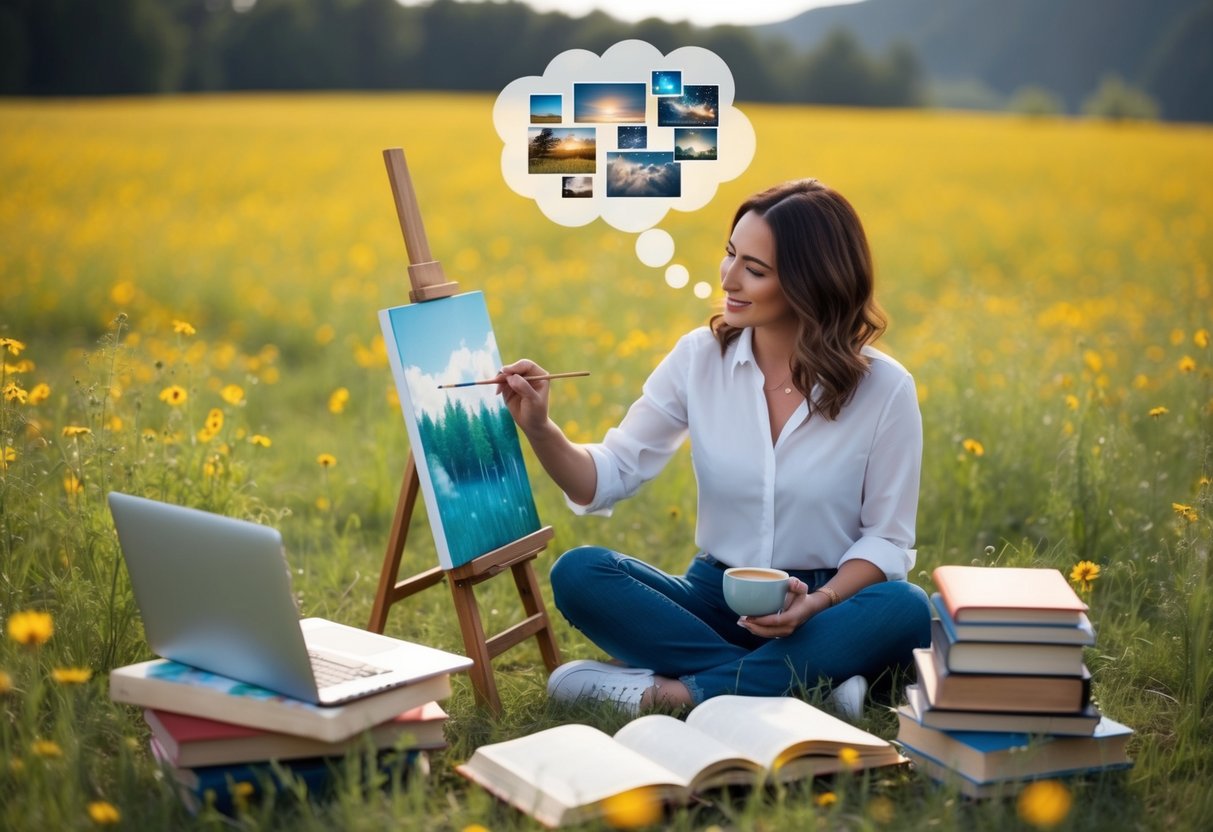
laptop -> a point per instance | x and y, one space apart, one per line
215 593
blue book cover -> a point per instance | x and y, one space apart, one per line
997 756
1083 634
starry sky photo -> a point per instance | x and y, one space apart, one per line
643 175
633 138
609 103
667 82
698 106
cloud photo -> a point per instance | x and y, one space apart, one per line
643 175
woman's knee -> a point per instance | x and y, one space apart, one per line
573 572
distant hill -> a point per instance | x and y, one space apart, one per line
1067 46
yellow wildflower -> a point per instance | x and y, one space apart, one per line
31 627
475 827
1155 412
1093 361
1084 573
633 808
1201 338
9 455
323 503
849 757
174 395
881 809
71 675
13 346
1177 336
825 799
1203 481
183 328
39 393
13 392
974 447
262 441
114 424
214 420
46 748
1044 804
6 683
72 431
103 814
326 460
232 394
338 400
72 485
325 333
1180 508
1186 364
1071 401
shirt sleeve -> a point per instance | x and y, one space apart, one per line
651 431
890 487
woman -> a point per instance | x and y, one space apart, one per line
807 448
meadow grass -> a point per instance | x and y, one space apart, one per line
190 288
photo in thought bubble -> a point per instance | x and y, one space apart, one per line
619 88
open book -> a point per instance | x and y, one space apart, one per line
564 774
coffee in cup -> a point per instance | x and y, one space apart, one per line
755 590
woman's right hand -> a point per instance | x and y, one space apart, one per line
527 400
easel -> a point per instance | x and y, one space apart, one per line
429 283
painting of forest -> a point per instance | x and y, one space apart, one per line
469 461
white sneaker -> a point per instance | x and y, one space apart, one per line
584 679
846 700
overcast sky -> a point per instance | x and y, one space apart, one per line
699 12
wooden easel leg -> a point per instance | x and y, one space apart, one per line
532 604
474 643
395 547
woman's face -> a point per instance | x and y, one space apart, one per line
753 296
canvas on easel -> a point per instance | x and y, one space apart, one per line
469 461
466 455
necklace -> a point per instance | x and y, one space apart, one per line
787 390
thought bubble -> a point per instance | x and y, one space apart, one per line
625 136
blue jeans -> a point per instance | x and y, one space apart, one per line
680 627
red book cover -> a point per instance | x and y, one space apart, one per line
1000 594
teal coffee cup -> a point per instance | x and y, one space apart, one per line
754 590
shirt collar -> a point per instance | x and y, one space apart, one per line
743 348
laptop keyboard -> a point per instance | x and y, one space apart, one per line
330 670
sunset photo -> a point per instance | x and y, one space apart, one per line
609 103
561 150
692 143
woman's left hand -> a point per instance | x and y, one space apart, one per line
797 609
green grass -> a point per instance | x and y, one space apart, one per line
1044 305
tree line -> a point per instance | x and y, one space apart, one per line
86 47
471 447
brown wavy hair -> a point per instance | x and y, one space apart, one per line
825 271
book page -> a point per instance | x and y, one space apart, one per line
772 728
697 758
563 768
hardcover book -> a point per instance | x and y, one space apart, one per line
1080 724
995 756
170 686
565 774
191 741
1008 595
996 692
1023 659
230 787
1083 633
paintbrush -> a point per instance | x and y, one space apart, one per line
499 379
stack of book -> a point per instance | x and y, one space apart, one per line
225 742
1003 695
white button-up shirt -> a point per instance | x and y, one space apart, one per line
824 493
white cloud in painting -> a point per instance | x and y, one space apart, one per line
464 364
626 177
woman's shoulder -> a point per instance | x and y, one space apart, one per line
884 370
